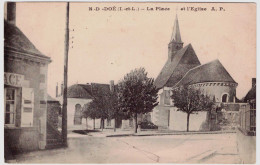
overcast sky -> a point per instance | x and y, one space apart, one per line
108 44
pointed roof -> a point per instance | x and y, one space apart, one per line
51 99
87 91
14 39
210 72
176 34
251 94
79 91
167 73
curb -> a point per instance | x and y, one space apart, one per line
161 134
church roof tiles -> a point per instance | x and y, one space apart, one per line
210 72
167 73
87 91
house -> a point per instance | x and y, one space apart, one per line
251 95
248 114
25 90
80 95
184 68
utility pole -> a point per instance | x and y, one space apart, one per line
66 52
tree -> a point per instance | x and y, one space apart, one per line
189 100
114 110
97 108
89 112
137 94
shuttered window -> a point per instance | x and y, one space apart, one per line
27 107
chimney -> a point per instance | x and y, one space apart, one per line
11 12
253 82
57 90
112 86
61 88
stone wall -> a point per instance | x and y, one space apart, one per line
228 120
53 109
225 117
246 148
18 140
35 77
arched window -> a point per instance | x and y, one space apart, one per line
77 115
225 98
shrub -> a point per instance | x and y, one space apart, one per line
148 125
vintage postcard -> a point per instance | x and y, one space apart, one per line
129 82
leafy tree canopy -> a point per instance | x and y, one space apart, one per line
137 93
190 99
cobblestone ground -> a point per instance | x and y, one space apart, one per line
197 148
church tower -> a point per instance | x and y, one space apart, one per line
175 43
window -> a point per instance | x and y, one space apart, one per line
10 106
77 115
224 98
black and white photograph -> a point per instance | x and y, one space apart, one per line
129 82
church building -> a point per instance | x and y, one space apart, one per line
184 68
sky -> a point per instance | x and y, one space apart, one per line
105 45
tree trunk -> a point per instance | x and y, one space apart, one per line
86 123
209 120
188 121
115 125
94 123
100 127
102 124
135 119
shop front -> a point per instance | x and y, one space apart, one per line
25 92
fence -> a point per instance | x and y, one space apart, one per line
248 120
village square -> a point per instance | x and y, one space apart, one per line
189 112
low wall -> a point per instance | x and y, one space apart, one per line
227 120
126 124
160 117
246 147
18 140
178 121
53 109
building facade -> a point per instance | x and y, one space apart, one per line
184 68
80 95
25 90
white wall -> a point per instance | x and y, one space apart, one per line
178 120
90 123
71 111
160 116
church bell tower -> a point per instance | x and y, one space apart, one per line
175 43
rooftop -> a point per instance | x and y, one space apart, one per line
15 40
210 72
